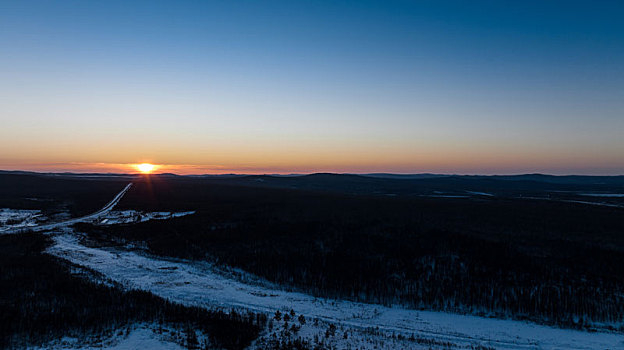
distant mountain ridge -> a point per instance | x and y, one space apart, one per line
386 182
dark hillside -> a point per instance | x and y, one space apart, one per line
542 260
41 300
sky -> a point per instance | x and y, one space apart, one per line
464 87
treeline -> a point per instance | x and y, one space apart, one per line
433 270
554 263
40 300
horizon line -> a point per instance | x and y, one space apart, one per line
295 174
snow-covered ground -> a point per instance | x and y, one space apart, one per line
367 326
87 218
14 219
481 193
138 336
132 216
594 203
608 195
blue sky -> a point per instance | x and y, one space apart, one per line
304 86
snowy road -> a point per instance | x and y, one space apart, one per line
108 207
201 284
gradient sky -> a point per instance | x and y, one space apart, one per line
308 86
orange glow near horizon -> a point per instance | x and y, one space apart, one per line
469 166
145 168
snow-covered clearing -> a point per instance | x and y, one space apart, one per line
608 195
368 326
12 219
481 193
132 216
139 336
595 203
87 218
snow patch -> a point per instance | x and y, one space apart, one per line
139 336
133 216
481 193
202 284
14 219
608 195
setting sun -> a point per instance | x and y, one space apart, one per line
145 168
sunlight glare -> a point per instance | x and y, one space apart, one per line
145 168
